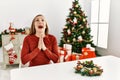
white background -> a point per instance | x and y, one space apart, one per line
21 13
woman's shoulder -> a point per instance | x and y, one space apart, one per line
51 36
30 36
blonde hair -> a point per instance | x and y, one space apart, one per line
32 29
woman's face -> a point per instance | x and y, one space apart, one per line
40 24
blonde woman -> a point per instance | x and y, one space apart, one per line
39 47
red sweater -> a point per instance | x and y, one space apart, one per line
31 53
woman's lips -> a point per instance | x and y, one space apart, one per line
40 27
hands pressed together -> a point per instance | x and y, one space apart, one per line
41 44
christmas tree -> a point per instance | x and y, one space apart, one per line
76 30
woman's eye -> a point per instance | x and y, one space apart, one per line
37 20
42 20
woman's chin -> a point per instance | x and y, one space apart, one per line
40 30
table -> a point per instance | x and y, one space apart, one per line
65 71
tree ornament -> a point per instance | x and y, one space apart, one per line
84 19
73 28
81 26
68 31
75 21
68 41
74 39
76 5
83 32
74 12
80 38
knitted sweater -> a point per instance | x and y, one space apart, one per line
31 53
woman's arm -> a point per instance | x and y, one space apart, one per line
26 55
53 55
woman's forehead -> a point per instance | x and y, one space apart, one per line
40 17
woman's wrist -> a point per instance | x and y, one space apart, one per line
44 48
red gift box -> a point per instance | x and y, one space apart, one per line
76 56
72 57
88 53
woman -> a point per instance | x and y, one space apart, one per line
39 47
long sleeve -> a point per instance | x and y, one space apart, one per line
26 55
53 54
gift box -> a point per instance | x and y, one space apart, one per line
73 56
62 53
76 56
87 53
68 48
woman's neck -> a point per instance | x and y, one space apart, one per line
38 34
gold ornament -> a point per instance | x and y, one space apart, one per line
68 41
73 28
83 32
84 20
74 39
75 12
76 5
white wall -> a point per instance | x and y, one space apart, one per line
114 31
21 13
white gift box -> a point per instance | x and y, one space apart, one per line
68 47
